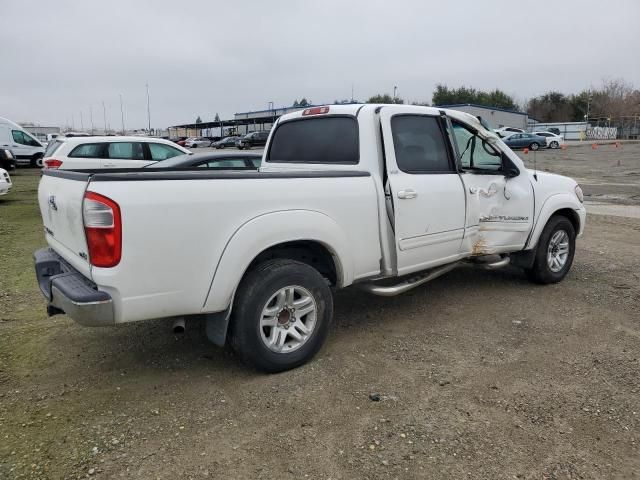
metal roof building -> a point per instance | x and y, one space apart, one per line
494 116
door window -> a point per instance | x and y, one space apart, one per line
23 139
475 153
126 151
162 152
419 144
228 163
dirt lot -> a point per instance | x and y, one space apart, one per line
477 375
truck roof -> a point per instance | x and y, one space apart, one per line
354 109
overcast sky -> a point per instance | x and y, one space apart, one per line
60 58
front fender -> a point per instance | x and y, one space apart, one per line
268 230
550 206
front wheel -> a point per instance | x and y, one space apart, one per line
36 161
282 313
194 146
555 251
534 146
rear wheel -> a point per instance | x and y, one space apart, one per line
282 313
534 146
36 161
194 145
555 251
554 144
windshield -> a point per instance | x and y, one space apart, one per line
171 162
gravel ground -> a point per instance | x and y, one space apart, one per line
475 375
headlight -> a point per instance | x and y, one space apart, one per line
579 193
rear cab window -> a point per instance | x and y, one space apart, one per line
321 140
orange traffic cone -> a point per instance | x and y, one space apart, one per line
525 151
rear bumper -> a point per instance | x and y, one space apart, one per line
68 291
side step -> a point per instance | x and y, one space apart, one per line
408 284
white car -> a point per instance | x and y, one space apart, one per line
384 197
553 140
197 142
68 153
507 131
5 182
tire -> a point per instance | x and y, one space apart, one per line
274 348
534 146
194 146
554 144
36 161
541 271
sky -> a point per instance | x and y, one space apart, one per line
61 60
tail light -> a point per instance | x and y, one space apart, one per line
315 111
52 163
103 229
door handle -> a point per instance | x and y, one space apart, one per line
407 194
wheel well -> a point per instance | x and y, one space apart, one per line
312 253
571 215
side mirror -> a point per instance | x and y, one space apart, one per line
509 168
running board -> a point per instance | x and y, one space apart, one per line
408 284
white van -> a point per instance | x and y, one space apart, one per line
25 147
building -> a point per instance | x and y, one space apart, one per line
40 132
494 116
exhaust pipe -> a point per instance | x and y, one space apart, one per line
178 325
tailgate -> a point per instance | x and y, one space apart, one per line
60 197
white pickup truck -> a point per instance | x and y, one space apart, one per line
383 197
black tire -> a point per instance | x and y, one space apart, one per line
257 287
554 144
36 161
541 272
534 146
194 146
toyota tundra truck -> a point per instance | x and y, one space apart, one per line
381 197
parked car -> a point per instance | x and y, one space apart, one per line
26 149
197 142
386 197
5 182
507 131
225 142
253 139
108 152
234 160
7 160
214 139
525 140
553 140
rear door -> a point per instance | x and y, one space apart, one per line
125 155
427 194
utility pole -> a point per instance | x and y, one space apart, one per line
104 116
148 111
122 115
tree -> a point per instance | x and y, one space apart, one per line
217 119
551 107
385 98
304 102
444 95
198 120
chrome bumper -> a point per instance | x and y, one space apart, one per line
68 291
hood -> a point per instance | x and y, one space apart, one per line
553 179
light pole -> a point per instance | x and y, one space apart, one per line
122 115
273 114
104 115
81 124
91 117
395 90
148 111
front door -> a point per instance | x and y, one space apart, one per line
499 206
426 193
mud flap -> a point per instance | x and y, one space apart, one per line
216 327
